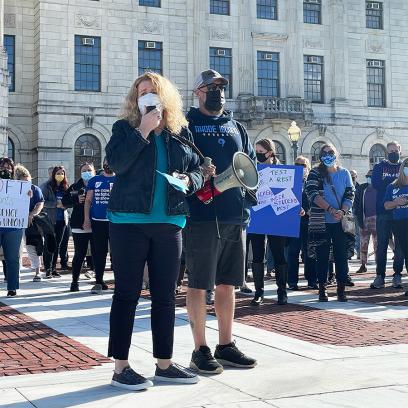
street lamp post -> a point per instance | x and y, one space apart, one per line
294 134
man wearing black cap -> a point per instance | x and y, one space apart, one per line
214 234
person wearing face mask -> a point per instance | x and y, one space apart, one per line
147 215
384 173
74 198
53 191
98 191
396 201
297 244
215 254
10 238
330 191
364 209
266 154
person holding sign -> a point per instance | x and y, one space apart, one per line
266 154
10 238
396 199
331 193
146 214
53 191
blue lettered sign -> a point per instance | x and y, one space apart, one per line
279 201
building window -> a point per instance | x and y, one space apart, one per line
312 11
313 78
315 152
267 9
150 3
87 63
220 7
11 152
221 61
280 151
87 149
374 15
375 83
9 45
377 153
150 57
268 73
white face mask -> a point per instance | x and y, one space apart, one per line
149 99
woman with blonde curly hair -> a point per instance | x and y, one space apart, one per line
146 217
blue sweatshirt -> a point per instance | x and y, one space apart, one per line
219 137
384 173
391 194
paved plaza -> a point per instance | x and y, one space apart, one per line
310 354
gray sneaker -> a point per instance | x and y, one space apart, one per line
97 289
130 380
209 297
378 283
175 374
396 281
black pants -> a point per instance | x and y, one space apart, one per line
81 242
132 246
400 229
100 237
276 245
336 237
50 258
63 250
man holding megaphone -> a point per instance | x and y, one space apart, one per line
218 215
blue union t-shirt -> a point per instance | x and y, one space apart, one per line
391 194
101 187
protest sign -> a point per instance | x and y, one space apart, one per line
279 201
14 203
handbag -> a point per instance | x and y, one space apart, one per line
348 222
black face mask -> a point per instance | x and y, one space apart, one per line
214 101
394 157
261 157
107 169
5 174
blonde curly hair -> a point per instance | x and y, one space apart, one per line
170 98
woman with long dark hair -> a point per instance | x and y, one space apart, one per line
53 190
266 154
331 193
146 217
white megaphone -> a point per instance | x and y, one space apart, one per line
241 173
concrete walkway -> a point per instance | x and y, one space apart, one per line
291 373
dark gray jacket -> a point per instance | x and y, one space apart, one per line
50 202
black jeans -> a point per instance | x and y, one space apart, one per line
50 258
132 246
81 242
276 245
400 229
295 245
63 250
337 237
100 238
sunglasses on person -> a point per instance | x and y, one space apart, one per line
301 164
213 87
328 153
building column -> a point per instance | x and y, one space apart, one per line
4 76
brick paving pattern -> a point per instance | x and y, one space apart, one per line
28 346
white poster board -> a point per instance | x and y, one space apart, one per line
14 203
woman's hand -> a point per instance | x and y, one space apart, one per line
400 201
302 212
59 204
183 177
149 122
86 225
338 215
208 171
81 199
30 193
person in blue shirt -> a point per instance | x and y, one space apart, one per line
330 192
98 192
146 217
396 201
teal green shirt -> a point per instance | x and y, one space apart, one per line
158 214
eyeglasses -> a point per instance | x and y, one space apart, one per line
213 87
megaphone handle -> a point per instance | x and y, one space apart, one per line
207 161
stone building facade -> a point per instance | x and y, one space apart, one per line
61 111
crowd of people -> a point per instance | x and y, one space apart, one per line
129 210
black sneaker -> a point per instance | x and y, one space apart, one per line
293 287
74 287
48 274
130 380
11 293
55 274
175 374
203 362
104 286
233 357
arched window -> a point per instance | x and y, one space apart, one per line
87 149
11 149
314 152
377 153
280 151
